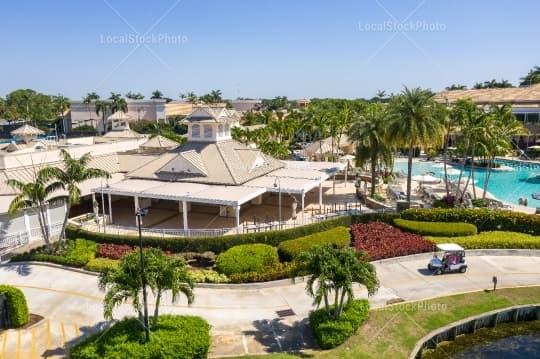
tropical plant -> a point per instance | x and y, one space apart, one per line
135 95
455 87
156 95
161 273
367 131
61 105
532 77
118 103
35 195
190 97
335 270
74 172
87 100
102 107
412 124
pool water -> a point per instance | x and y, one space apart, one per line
506 186
514 347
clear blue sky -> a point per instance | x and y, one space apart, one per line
254 48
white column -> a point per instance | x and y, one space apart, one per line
110 207
136 200
334 185
27 225
346 170
320 196
237 215
303 197
93 199
49 217
185 214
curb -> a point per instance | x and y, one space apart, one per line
468 252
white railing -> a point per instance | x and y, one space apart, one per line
155 232
17 239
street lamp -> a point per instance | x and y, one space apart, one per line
139 214
277 183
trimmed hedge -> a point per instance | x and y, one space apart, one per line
76 254
176 336
280 271
329 332
247 258
493 240
339 236
101 265
18 314
438 229
222 243
484 219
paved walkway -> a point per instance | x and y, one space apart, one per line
243 320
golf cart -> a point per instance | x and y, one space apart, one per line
451 260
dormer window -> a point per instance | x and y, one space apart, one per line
207 131
196 131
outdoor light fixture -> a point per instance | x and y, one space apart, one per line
277 184
139 214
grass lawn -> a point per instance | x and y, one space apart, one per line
392 332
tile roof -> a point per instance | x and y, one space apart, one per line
516 95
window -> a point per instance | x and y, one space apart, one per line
196 131
227 129
220 130
207 131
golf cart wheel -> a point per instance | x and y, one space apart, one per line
438 271
462 269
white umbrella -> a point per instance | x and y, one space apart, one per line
425 179
452 171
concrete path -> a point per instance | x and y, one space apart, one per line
252 320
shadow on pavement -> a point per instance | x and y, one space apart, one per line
278 336
22 269
85 331
425 271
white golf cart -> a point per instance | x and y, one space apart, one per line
449 257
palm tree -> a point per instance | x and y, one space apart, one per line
135 96
216 96
156 95
533 77
413 124
190 97
118 103
61 105
102 107
455 87
87 100
75 172
161 272
334 270
367 131
36 195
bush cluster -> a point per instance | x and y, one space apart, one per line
339 236
381 240
18 314
279 271
101 265
247 258
484 219
329 332
215 244
438 229
176 336
76 253
207 276
113 251
493 240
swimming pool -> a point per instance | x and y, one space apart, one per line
506 186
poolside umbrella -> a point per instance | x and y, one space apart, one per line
27 132
425 179
452 171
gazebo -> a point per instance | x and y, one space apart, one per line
27 133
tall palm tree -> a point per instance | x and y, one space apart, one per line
413 124
368 132
335 270
87 100
533 77
74 172
190 97
35 195
102 107
135 95
118 103
156 95
216 96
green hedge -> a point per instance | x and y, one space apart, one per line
493 240
176 336
18 314
280 271
329 332
75 254
222 243
101 265
483 219
247 258
339 236
438 229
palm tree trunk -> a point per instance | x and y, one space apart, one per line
156 311
326 304
409 173
341 304
336 302
62 234
472 173
373 175
488 175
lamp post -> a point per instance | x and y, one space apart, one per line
277 183
103 205
139 214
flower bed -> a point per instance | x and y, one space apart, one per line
381 240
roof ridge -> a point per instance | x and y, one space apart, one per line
225 160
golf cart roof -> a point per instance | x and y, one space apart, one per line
449 247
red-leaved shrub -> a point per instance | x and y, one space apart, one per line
380 240
113 251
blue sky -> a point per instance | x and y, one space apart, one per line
263 48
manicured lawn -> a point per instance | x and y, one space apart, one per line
392 332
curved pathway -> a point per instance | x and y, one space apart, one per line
243 320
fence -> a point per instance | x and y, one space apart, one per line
18 239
